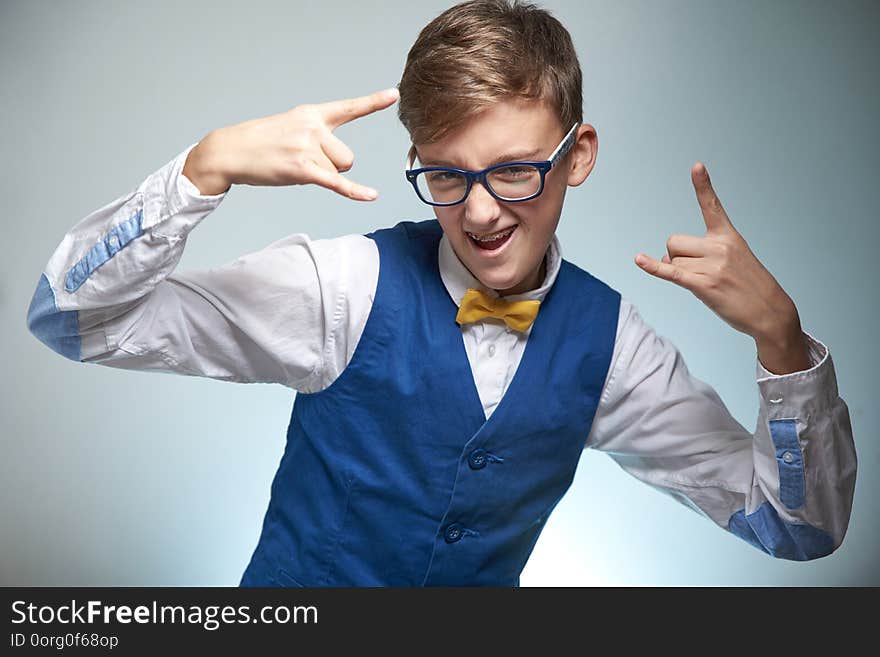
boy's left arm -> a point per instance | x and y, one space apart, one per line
788 488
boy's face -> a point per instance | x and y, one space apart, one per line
517 130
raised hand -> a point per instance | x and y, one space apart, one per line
721 270
295 147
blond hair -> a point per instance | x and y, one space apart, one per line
481 51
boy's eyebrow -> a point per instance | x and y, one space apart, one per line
510 156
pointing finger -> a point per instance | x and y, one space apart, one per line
337 112
710 205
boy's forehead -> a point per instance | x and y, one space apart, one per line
507 130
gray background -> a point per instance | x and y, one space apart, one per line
109 477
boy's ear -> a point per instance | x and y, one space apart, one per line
583 154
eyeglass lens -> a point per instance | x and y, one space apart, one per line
511 183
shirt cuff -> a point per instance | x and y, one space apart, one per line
187 191
787 395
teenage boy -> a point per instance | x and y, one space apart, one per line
451 371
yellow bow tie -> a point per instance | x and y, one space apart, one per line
518 315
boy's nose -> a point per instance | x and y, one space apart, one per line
481 208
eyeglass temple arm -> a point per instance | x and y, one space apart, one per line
564 146
407 162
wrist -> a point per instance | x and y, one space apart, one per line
785 353
203 169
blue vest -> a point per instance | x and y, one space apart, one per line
393 476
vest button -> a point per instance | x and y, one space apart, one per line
453 533
477 459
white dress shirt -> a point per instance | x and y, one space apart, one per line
292 313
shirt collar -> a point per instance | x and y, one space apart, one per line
457 278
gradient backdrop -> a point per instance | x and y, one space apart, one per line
111 477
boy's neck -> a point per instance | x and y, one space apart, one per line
534 284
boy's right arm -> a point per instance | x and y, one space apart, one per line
109 294
291 313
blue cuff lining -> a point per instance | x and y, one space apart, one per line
790 461
57 329
765 530
106 248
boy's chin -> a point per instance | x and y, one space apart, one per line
499 283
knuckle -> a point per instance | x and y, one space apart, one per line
306 118
299 142
715 277
303 112
728 252
312 128
301 162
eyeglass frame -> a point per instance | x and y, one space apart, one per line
543 167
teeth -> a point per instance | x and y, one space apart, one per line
492 238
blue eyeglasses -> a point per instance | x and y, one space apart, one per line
510 182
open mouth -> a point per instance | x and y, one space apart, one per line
494 241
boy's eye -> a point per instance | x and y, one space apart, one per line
515 172
444 176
